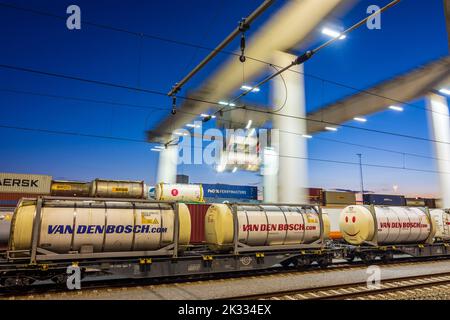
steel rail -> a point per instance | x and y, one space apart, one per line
355 290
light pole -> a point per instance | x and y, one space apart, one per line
361 173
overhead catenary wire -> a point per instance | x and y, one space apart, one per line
229 121
243 25
126 139
205 102
113 103
308 54
286 92
155 92
202 47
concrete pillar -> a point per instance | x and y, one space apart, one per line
270 175
440 129
291 146
167 165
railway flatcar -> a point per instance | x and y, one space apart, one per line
382 231
137 238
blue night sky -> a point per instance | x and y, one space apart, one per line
412 34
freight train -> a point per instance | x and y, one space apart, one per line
136 238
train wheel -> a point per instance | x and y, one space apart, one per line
287 263
303 262
17 282
387 257
350 258
367 258
60 279
324 262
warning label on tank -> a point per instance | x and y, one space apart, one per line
148 218
118 190
100 229
62 187
277 227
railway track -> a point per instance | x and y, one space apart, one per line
120 284
124 283
393 288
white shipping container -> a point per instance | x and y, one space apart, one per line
25 183
442 218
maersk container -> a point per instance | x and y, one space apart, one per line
118 189
179 192
70 189
25 183
99 226
338 198
384 199
263 225
386 225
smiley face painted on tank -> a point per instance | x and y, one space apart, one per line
352 224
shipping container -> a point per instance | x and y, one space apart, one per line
430 203
212 192
263 225
315 192
338 198
25 183
10 200
101 226
415 202
315 195
198 213
70 189
359 224
182 178
384 199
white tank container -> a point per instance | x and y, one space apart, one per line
442 219
99 226
395 225
334 214
5 226
179 192
262 225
